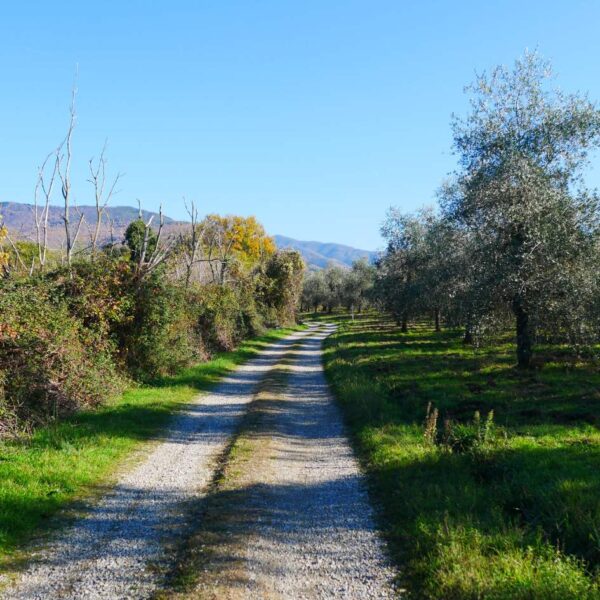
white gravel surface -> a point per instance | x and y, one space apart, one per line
118 549
315 537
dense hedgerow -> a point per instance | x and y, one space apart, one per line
73 337
225 316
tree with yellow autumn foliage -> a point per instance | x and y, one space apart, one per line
234 243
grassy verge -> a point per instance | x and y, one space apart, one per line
500 506
47 471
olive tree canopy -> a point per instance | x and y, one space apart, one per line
522 149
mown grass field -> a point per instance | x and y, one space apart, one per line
507 510
46 471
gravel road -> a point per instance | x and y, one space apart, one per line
316 537
292 519
117 550
307 527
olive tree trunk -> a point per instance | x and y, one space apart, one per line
404 323
524 334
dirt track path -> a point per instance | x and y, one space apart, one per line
291 519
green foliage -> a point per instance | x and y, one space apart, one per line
475 503
148 323
45 360
334 286
518 236
135 235
358 287
161 337
282 284
100 293
314 291
522 149
224 316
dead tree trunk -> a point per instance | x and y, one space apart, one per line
98 180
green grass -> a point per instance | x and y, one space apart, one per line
516 515
48 470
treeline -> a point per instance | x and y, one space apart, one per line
72 336
336 287
515 241
79 323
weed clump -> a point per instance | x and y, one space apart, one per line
459 437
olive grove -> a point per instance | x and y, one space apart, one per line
516 234
335 286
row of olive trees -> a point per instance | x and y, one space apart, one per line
337 286
517 235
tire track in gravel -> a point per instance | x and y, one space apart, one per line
123 544
290 518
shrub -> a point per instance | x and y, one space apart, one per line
51 363
224 316
162 336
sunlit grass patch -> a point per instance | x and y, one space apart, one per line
516 516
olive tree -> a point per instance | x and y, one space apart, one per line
519 192
314 291
362 277
334 285
401 267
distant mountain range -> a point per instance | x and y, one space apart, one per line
18 218
318 255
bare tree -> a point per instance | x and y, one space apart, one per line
64 172
45 185
219 247
102 194
192 243
149 249
111 227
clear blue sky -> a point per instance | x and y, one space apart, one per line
315 115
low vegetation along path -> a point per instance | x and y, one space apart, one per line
293 516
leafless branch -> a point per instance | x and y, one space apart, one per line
64 172
15 250
98 180
45 186
191 244
151 258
